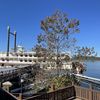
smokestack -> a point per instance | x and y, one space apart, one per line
8 42
15 33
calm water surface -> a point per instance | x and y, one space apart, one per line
93 69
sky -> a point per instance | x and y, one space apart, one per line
24 16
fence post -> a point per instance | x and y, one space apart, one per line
0 84
20 96
53 87
90 94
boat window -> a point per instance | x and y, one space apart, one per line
30 60
21 60
25 60
21 55
30 55
25 55
7 59
3 59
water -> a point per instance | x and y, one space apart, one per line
93 69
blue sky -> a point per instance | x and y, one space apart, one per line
24 16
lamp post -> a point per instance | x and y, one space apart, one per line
21 85
21 93
7 85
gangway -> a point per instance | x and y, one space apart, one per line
87 78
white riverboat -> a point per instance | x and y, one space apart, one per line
20 57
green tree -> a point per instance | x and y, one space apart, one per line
83 54
56 36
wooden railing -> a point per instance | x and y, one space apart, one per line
87 94
61 94
5 95
68 93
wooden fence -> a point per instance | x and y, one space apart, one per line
61 94
4 95
68 93
87 94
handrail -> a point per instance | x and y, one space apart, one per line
91 79
6 95
61 94
66 93
86 93
69 93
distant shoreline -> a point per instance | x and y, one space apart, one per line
88 59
